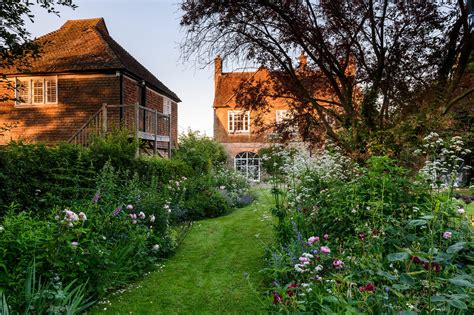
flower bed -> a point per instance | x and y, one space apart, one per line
367 239
82 227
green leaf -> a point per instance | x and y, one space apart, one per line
401 287
417 222
407 279
400 256
386 275
455 247
331 299
427 217
461 282
458 304
438 298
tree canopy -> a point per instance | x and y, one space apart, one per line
382 61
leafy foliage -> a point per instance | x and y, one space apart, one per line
369 239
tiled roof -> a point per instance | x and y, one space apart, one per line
227 85
85 45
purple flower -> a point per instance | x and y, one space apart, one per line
447 235
129 207
96 198
117 211
325 250
74 244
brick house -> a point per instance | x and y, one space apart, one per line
237 129
84 82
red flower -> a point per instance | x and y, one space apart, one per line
291 289
416 260
369 287
434 266
276 297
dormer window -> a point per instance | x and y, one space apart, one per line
37 90
238 121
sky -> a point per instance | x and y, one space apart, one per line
149 30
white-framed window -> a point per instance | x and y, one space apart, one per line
248 163
238 121
167 105
37 90
282 115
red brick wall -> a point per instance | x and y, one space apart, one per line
79 97
130 91
174 124
154 100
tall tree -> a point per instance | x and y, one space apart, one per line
381 60
16 45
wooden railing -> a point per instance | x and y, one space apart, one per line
141 122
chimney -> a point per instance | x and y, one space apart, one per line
217 69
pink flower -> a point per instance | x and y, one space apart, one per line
313 239
337 264
74 244
447 234
129 207
324 250
326 236
70 216
141 215
461 211
276 298
134 221
304 260
133 216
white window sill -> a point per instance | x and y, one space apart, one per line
35 105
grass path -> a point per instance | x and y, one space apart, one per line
208 272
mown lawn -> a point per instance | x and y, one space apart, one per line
215 270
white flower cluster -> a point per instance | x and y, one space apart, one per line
445 161
70 217
299 169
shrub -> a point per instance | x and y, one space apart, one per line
200 152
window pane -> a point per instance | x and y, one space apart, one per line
24 91
38 91
51 89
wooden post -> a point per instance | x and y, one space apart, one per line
155 145
137 126
104 118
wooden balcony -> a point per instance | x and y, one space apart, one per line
141 122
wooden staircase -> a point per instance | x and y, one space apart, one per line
146 124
